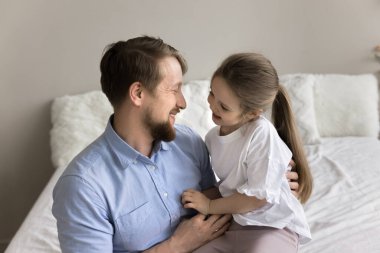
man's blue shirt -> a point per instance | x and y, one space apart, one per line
111 198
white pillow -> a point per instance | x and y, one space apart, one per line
197 114
347 105
300 87
300 90
77 121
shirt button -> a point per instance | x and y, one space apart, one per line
152 167
165 194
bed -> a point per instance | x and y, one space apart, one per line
338 117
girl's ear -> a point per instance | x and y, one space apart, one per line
253 114
136 93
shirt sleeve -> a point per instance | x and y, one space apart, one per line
82 220
266 162
208 176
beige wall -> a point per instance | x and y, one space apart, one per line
50 48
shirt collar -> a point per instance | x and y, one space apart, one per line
161 145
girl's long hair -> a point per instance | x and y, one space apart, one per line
284 122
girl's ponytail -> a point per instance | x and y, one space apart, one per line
283 120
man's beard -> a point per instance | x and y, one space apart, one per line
160 131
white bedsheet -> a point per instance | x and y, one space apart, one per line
343 212
38 232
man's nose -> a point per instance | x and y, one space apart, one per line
181 102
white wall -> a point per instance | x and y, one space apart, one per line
50 48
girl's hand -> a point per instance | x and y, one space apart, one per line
196 200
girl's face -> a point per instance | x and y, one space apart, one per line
225 107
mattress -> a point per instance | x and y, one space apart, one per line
343 211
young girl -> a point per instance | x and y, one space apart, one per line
250 155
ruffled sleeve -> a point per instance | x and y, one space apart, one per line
265 164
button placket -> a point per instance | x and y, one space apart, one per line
162 189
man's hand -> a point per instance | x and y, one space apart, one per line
197 231
292 177
196 200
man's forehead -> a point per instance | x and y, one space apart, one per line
169 63
171 70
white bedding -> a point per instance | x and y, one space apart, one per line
344 209
343 212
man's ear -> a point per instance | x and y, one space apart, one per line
136 93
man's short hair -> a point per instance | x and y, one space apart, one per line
134 60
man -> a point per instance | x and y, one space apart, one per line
122 193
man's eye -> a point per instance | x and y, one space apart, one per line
210 93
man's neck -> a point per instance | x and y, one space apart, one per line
133 132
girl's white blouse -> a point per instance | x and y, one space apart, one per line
253 160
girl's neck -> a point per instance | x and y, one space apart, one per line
226 130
